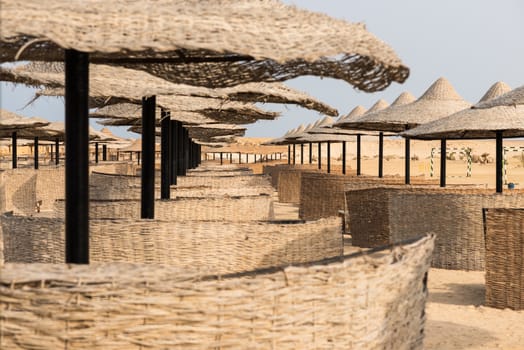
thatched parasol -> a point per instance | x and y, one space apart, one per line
496 122
10 122
511 98
107 80
293 41
439 100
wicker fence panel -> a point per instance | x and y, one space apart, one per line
289 182
221 247
323 195
391 214
123 306
244 208
2 192
50 186
20 191
116 168
273 171
505 258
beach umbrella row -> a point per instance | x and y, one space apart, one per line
129 32
495 122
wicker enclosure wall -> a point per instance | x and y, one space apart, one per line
323 195
220 247
273 171
364 302
381 215
245 208
289 182
2 192
117 168
504 258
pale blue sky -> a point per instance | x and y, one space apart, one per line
472 43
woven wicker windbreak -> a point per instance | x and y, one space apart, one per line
241 208
364 302
323 195
504 258
289 184
120 187
273 171
290 41
453 214
218 247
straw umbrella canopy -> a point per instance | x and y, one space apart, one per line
202 132
183 108
473 123
11 122
439 100
514 97
288 41
110 81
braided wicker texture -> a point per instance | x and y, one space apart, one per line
26 191
323 195
244 208
220 247
273 171
127 187
379 215
505 258
364 302
289 182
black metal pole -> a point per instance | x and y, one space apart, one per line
77 157
498 161
165 156
181 171
407 170
381 154
294 154
14 155
147 210
57 151
96 152
443 163
319 155
310 153
344 157
137 157
221 161
174 151
104 153
186 150
239 158
36 152
247 158
329 157
288 155
255 156
359 155
230 158
301 153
